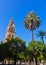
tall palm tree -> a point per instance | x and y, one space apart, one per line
31 22
41 34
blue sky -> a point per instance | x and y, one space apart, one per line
17 9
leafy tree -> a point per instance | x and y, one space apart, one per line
15 45
41 34
44 53
23 55
31 22
3 51
35 49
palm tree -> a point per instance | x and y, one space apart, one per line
31 22
41 34
16 45
35 48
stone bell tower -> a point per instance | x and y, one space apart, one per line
10 32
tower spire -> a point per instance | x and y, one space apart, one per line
10 32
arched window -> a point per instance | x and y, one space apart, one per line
12 35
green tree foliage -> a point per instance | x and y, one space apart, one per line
35 49
31 22
15 46
44 53
12 48
16 49
41 34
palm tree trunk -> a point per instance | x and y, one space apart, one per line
15 58
14 61
42 40
3 62
8 61
25 62
29 62
32 35
20 61
34 61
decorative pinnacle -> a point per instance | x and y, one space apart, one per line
11 20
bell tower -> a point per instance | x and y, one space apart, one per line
10 32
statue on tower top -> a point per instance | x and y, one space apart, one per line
10 32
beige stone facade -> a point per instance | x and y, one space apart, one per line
10 32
